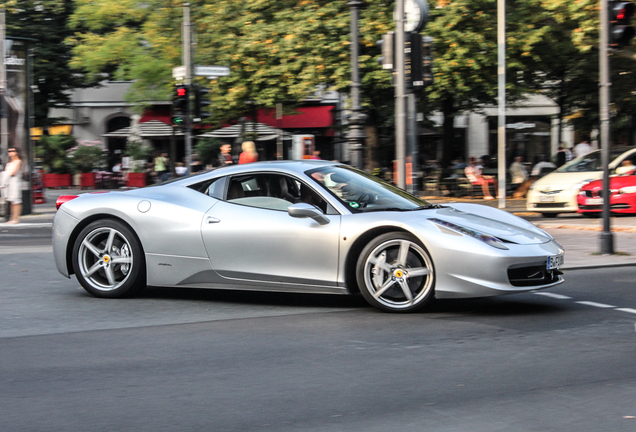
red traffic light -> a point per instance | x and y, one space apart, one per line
181 91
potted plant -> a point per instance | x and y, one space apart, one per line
87 157
138 154
52 151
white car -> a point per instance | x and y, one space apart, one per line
556 192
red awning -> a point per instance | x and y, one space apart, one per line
307 117
160 113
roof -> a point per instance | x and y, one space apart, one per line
149 129
263 131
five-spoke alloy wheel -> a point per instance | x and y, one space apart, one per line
108 260
395 273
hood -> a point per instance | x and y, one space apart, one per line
561 181
494 222
616 182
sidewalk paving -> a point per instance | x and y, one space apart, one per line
579 236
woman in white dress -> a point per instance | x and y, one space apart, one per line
12 180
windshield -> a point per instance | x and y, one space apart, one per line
362 192
587 162
590 161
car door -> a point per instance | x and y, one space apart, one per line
249 236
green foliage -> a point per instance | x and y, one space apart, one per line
88 156
52 150
138 153
45 21
208 150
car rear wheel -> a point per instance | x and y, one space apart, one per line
395 273
108 259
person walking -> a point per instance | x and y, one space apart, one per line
225 157
563 156
582 148
11 180
161 167
249 153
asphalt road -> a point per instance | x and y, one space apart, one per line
187 360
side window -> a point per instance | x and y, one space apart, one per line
272 191
213 187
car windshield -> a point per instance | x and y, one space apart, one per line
362 192
589 162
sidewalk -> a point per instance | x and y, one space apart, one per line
579 236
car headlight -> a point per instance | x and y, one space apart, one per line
627 190
486 238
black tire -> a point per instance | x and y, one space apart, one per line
108 260
549 215
393 267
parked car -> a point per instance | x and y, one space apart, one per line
622 196
299 226
557 192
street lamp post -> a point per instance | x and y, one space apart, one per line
355 135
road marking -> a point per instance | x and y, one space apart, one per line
594 304
628 310
555 296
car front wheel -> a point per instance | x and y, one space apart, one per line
395 273
108 259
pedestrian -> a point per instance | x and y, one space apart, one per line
583 147
225 157
11 181
518 171
249 153
542 167
315 155
161 167
563 156
474 173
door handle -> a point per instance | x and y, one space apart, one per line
212 220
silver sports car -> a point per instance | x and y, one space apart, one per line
299 226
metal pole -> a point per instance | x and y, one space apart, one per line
356 135
187 62
279 132
4 123
413 150
501 96
607 238
400 93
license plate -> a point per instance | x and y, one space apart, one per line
594 201
554 262
546 198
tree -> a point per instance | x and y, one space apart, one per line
45 22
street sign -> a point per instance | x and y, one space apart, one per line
211 71
179 72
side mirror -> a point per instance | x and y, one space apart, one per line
303 210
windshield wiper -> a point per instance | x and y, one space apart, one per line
401 209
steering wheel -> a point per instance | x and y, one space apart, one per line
364 200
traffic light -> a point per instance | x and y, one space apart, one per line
386 44
180 105
621 32
427 60
201 103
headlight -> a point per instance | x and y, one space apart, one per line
627 190
486 238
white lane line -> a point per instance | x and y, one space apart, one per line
554 296
594 304
628 310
